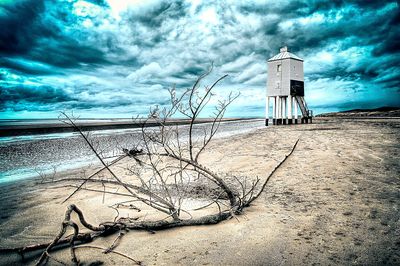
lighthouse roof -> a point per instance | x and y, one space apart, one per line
284 54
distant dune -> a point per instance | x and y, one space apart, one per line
378 112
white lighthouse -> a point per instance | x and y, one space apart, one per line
285 90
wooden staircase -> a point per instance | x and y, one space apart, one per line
307 113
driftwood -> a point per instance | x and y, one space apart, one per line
165 166
123 223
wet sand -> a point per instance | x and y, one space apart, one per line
334 201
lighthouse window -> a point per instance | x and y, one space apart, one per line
279 68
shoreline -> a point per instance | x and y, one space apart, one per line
68 151
52 128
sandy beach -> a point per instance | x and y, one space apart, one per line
335 201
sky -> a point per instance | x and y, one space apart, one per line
114 58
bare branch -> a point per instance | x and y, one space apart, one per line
272 173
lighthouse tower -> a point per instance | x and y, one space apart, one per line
285 90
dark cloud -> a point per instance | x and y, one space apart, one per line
193 70
98 2
26 67
289 9
21 26
9 96
35 29
156 15
69 54
389 37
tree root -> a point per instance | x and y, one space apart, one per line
106 229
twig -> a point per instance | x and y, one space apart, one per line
115 242
92 175
56 260
272 173
111 251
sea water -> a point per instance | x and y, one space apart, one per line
31 156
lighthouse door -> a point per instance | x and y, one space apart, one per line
296 88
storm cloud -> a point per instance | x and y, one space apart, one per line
117 58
